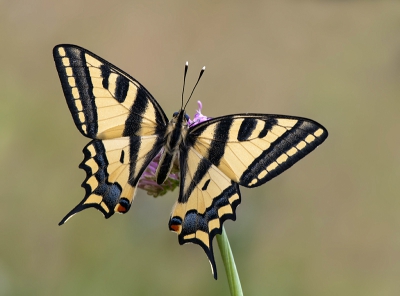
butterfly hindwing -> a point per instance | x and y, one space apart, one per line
105 102
113 168
251 149
207 198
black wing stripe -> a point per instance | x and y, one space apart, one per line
269 123
221 136
246 129
77 86
105 73
137 111
121 89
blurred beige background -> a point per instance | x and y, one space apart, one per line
328 226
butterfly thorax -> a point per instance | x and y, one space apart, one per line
175 134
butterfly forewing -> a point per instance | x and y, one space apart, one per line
104 101
251 149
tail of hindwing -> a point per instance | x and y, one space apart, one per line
107 174
202 228
113 168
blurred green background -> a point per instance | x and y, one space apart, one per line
328 226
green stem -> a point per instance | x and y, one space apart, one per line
229 262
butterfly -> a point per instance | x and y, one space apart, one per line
129 129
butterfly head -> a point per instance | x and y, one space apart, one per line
177 114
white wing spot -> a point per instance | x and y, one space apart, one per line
61 51
65 62
282 158
272 166
262 174
292 151
319 132
75 93
71 81
301 145
78 105
309 138
254 181
81 116
68 70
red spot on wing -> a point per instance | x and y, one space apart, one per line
121 209
123 206
175 227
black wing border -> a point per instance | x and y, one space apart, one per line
203 125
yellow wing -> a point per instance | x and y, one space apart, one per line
251 149
105 102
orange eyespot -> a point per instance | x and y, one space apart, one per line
123 205
175 224
121 209
174 227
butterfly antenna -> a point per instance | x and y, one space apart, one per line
184 80
198 79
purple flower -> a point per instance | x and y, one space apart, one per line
148 180
198 117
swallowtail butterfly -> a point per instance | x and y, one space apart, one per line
128 129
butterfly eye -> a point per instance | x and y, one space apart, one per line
175 114
187 117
